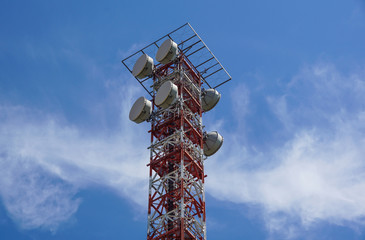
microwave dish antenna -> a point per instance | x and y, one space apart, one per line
212 143
141 110
167 52
166 95
143 67
210 98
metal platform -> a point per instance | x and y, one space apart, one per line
212 73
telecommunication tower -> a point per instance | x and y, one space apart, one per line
181 86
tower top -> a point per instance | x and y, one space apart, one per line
211 71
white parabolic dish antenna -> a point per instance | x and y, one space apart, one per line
141 110
167 51
210 98
166 94
143 67
213 142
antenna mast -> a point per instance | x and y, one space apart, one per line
179 145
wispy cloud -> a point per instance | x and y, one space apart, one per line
32 196
319 173
46 159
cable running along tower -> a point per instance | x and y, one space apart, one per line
181 82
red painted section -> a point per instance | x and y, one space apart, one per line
168 159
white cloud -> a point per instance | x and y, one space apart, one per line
33 197
318 175
45 160
240 97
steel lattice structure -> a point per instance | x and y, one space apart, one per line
176 208
176 203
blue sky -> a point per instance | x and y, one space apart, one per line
72 165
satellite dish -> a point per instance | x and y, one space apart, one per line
143 67
212 142
166 94
167 51
210 98
141 110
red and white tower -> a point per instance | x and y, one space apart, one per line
179 144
